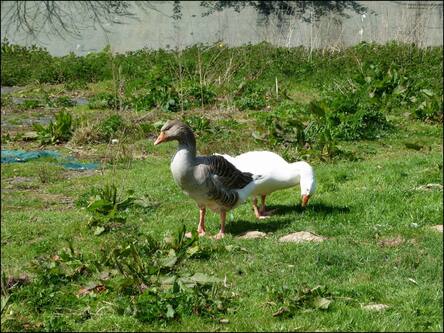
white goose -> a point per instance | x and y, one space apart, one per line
277 174
211 181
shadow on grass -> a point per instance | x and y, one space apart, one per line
317 208
272 224
237 227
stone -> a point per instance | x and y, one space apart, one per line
302 236
430 186
252 234
437 227
375 307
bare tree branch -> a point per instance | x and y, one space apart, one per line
306 10
69 18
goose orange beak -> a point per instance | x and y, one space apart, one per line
305 199
161 138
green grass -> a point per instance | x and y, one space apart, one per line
357 204
369 203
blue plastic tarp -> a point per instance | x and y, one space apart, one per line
20 156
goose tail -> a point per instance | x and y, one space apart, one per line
245 192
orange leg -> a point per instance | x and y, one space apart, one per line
201 227
256 209
261 213
221 233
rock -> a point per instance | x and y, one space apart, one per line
252 234
429 187
375 307
302 236
437 227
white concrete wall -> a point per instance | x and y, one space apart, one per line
420 22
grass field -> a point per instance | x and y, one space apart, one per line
376 208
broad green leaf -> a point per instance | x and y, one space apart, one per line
169 261
101 205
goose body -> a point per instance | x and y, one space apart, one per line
212 181
277 174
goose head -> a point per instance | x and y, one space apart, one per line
176 130
307 180
308 186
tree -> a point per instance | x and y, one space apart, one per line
306 10
69 18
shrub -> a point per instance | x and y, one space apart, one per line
103 101
107 209
58 131
30 104
107 128
196 95
155 90
251 97
283 126
62 101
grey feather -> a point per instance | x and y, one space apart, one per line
210 180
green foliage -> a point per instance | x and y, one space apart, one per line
251 97
156 90
31 104
398 76
161 293
67 265
56 132
107 209
301 128
155 304
226 131
393 87
196 95
199 124
108 127
75 85
143 273
284 125
62 101
290 301
103 101
6 100
23 65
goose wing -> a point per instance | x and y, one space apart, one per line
218 168
222 179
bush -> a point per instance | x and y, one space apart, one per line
103 101
251 97
110 126
58 131
196 95
401 77
30 104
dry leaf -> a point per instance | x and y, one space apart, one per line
92 288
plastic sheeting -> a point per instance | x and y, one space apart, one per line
19 156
